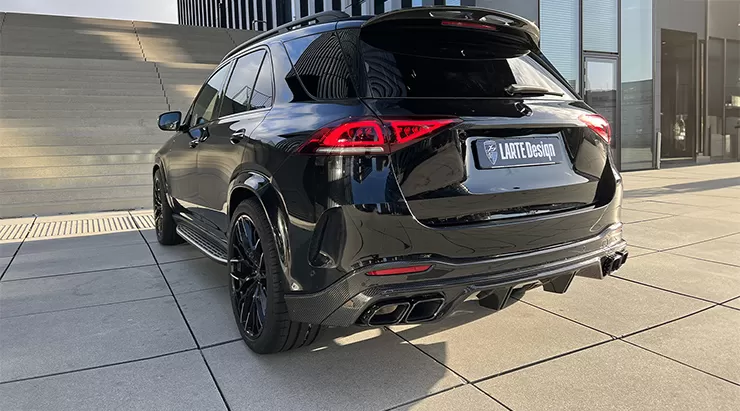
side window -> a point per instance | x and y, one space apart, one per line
241 84
319 64
262 95
207 103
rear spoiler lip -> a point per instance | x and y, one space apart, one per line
424 13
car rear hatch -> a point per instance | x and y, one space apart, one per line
514 140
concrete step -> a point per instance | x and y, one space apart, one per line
86 54
105 101
76 108
59 63
65 40
20 185
86 114
90 76
103 149
77 206
102 122
37 135
91 83
78 160
72 73
51 196
58 91
74 171
49 20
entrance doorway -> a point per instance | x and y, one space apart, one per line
678 102
601 92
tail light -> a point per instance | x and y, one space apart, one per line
598 125
370 136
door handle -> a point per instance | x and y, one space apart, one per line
237 136
194 142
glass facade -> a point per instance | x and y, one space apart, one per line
668 68
637 122
600 31
560 33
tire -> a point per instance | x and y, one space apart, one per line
257 293
164 224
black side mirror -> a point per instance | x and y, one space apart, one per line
170 121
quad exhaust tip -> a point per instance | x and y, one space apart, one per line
412 310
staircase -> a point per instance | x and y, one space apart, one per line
79 99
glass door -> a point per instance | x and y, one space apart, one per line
601 92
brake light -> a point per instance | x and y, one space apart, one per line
369 136
599 125
468 25
401 270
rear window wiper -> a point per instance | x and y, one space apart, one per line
525 90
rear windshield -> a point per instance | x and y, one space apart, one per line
388 68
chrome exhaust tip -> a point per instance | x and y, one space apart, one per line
424 310
386 313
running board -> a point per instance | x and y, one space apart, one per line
202 243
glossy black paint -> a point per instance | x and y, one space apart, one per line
335 216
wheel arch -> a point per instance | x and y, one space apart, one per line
254 185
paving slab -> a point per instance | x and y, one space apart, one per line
42 344
43 245
476 343
637 251
720 214
634 216
465 398
171 253
694 199
9 248
613 376
733 303
4 263
81 260
661 207
173 382
709 341
209 314
719 250
65 292
344 370
703 279
616 306
676 232
195 275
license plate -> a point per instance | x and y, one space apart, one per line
518 152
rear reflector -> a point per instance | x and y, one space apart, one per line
401 270
598 125
370 135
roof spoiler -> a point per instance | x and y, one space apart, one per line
461 13
323 17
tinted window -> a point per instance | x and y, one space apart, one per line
429 62
320 66
262 95
241 84
206 104
395 74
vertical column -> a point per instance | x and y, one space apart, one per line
327 5
311 7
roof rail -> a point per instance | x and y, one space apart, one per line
323 17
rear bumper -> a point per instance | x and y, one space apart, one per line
345 301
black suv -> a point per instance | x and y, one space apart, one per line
382 170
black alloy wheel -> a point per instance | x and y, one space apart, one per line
258 283
157 200
164 224
248 278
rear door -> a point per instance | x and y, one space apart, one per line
247 99
519 147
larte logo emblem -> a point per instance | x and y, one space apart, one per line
491 151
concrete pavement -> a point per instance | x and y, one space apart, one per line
114 320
